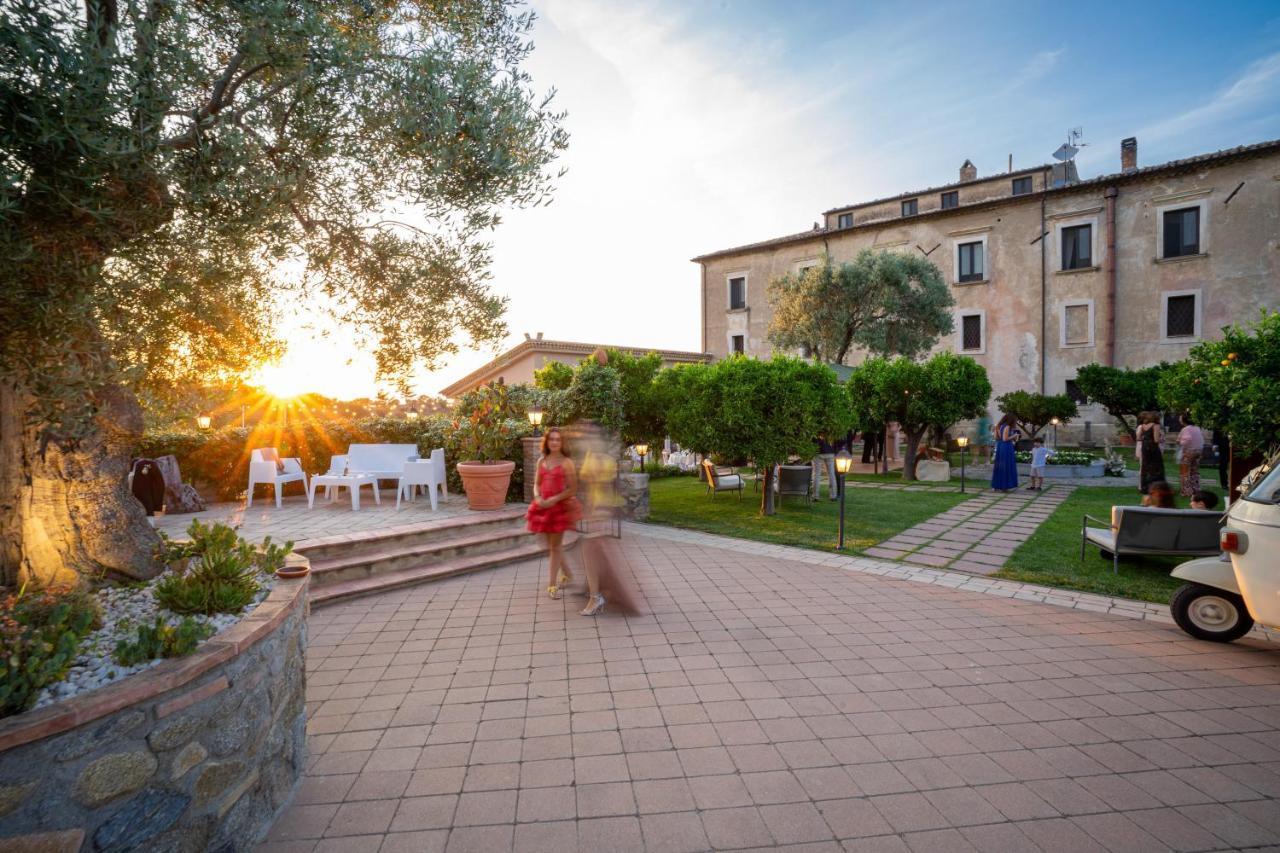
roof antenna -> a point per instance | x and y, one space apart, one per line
1072 146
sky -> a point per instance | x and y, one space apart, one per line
696 126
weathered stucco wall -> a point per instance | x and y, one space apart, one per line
194 754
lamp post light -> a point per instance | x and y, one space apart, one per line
1055 423
412 414
204 422
535 418
963 443
844 461
642 449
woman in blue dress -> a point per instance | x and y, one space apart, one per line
1004 465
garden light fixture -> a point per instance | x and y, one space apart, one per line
642 449
204 421
963 443
844 462
535 418
1055 423
412 415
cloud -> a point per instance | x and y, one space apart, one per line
1035 69
1258 86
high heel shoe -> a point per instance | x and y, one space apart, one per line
564 578
594 607
553 592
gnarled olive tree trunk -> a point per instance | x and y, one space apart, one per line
66 511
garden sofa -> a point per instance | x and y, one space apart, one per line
1148 531
381 461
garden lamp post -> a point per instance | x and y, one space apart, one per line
844 461
963 443
204 422
412 415
642 449
535 418
1055 423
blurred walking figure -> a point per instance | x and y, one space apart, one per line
555 507
1191 445
1150 454
602 562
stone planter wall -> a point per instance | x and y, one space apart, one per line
197 753
634 491
1068 471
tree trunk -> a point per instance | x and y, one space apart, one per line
66 512
766 498
909 455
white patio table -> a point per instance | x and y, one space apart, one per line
351 482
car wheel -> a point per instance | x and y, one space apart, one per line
1213 614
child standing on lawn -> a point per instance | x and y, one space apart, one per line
1039 458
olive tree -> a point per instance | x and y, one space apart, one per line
764 411
1036 411
1123 392
887 303
178 174
918 395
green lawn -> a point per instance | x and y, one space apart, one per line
1052 555
871 515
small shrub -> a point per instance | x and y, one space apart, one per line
1061 457
161 640
39 640
270 558
216 572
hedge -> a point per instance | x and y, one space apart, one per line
219 460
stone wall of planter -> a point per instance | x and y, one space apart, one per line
1097 469
197 753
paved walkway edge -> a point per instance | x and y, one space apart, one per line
1072 599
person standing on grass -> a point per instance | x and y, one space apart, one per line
1039 458
1191 442
555 506
1150 454
1004 462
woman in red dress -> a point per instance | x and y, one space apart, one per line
555 505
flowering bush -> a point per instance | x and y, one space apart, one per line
1114 466
1061 457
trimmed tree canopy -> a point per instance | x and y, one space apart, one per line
762 411
918 395
1231 384
888 303
1035 411
1124 393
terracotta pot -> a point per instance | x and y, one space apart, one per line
486 483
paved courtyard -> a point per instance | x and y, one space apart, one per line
763 702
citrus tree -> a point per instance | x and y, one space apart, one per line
1036 411
178 175
1124 393
918 395
762 411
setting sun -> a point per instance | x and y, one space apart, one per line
283 381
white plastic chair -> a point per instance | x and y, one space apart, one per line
437 456
337 467
423 472
265 466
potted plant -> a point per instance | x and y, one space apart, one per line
483 438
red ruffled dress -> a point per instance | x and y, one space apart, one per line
558 517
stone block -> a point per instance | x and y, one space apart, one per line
190 755
933 471
216 778
142 818
110 731
176 733
114 776
60 841
12 796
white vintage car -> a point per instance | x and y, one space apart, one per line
1227 595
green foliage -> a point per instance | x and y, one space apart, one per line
553 376
439 432
179 174
161 640
764 411
918 395
643 410
216 572
1231 384
40 637
1035 411
595 395
1123 393
888 303
485 433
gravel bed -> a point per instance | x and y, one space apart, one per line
124 608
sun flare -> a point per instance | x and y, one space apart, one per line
283 381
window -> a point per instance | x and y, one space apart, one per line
737 293
910 207
1073 391
738 343
845 220
950 200
1181 232
971 332
1077 247
1077 324
971 262
1022 186
1180 316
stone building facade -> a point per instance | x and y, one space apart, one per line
1050 272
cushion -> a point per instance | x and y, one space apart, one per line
730 481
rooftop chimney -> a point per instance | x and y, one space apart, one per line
968 171
1129 154
539 335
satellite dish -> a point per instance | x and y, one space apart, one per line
1065 152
